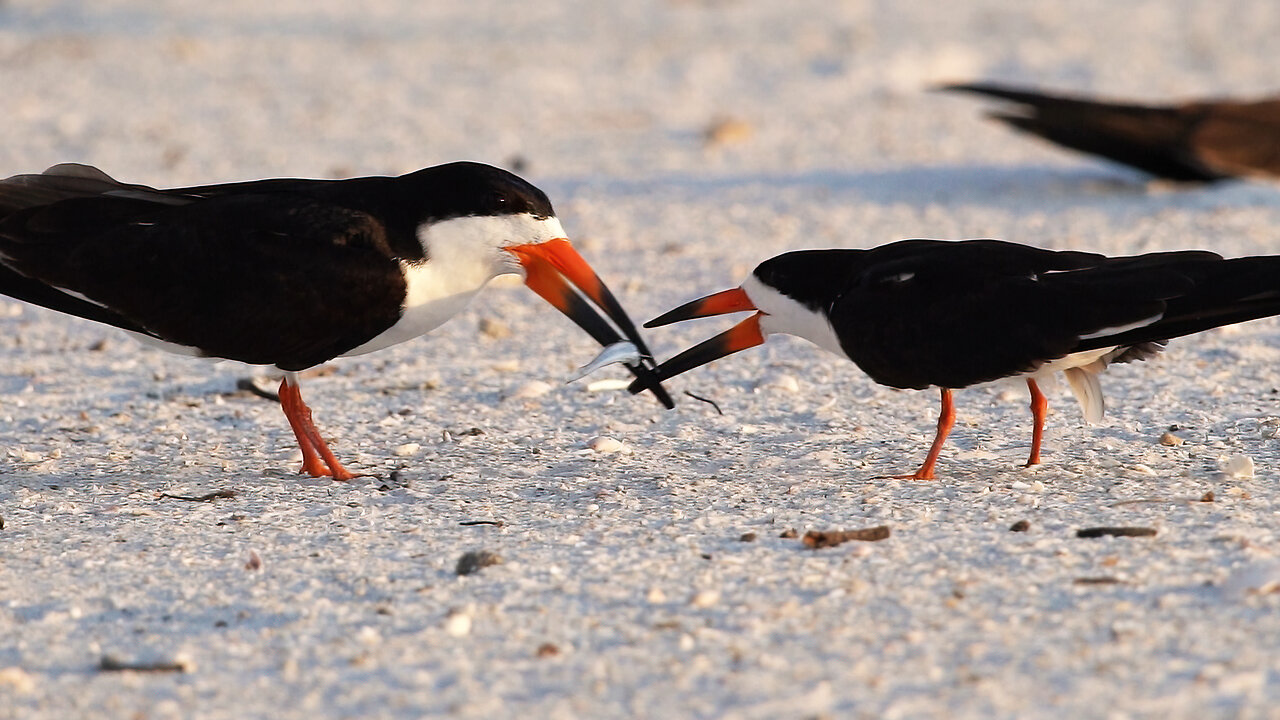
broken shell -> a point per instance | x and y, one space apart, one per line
1240 466
705 598
605 445
531 389
779 381
408 449
458 623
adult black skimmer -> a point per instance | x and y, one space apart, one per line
292 273
1198 141
950 314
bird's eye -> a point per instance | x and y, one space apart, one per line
498 200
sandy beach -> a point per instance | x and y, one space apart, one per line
652 563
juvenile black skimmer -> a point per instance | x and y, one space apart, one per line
292 273
933 313
1198 141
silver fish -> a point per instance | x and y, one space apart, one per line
619 352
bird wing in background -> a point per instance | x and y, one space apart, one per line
1195 141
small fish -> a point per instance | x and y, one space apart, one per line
619 352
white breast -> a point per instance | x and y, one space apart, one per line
464 255
784 315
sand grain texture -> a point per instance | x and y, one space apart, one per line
624 590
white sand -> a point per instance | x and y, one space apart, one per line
626 568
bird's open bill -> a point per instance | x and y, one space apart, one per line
553 269
739 337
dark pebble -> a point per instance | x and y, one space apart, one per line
1020 526
476 560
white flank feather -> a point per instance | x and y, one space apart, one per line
1088 391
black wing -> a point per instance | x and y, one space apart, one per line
60 182
270 278
954 314
1201 141
1221 292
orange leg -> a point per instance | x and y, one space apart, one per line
946 420
317 459
1039 408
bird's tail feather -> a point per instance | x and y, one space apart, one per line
22 195
1152 138
1222 292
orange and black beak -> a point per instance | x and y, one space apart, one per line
739 337
553 269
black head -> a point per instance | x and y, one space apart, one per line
466 189
813 278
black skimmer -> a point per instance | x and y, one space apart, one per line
293 273
1195 141
950 314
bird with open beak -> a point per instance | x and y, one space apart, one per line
951 314
291 272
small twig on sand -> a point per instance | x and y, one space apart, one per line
830 538
207 497
709 401
111 663
1097 532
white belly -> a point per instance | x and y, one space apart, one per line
432 298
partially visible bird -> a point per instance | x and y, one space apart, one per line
951 314
290 272
1204 140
